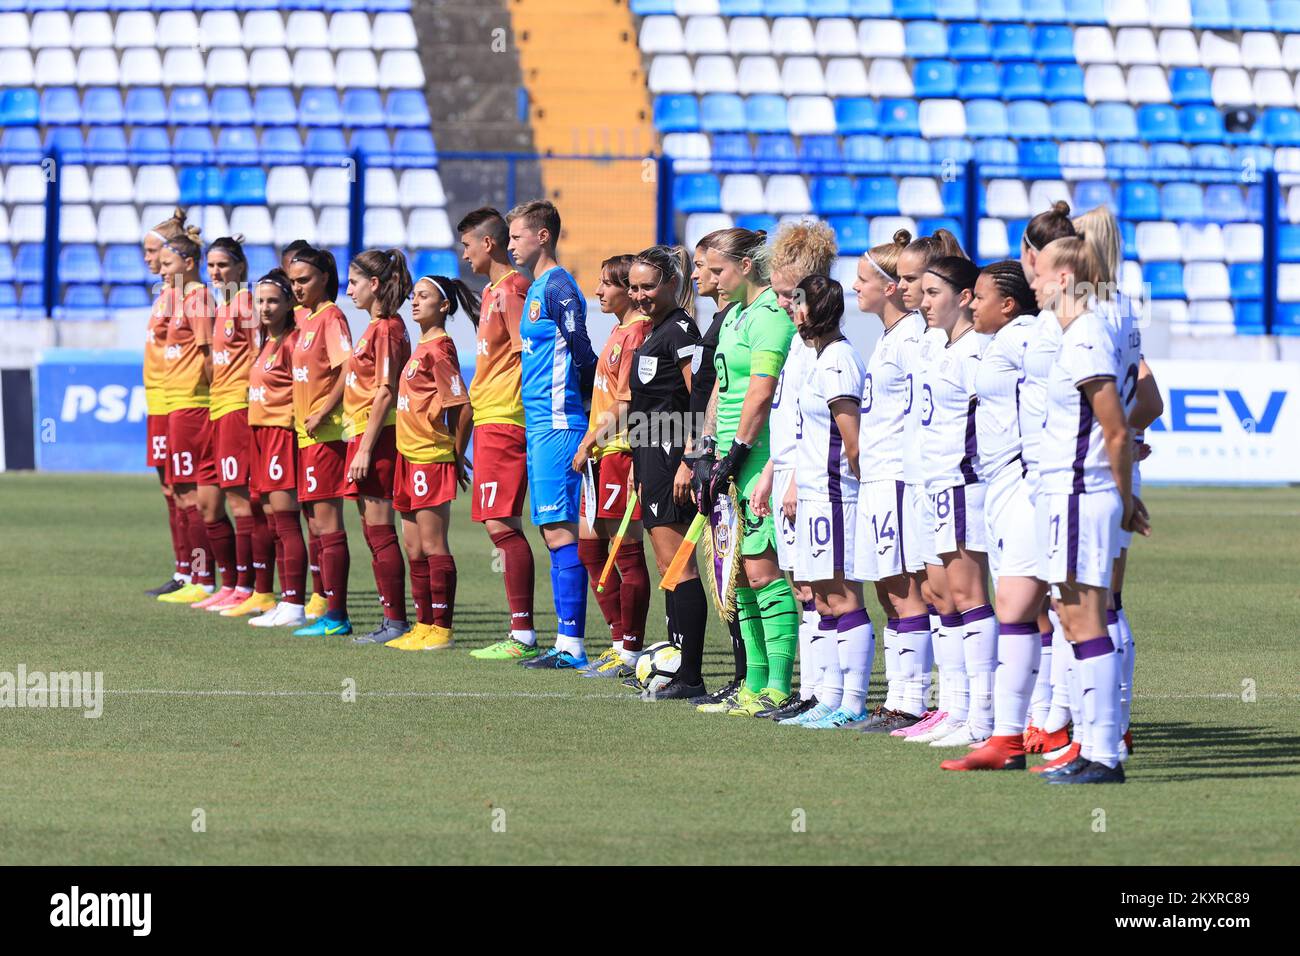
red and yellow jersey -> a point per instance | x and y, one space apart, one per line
496 392
383 346
430 384
189 334
319 356
614 378
270 383
234 346
155 358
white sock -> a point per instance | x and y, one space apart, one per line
1018 651
1041 701
913 651
893 686
1099 671
953 683
807 673
932 661
574 645
1062 657
830 681
1075 683
979 645
1126 678
525 637
856 645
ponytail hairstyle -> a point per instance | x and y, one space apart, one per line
1076 255
389 267
233 247
804 248
823 297
711 240
958 271
736 243
885 256
169 228
941 245
674 265
1100 231
1049 226
322 260
458 296
618 267
280 280
1009 278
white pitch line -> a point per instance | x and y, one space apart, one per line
529 695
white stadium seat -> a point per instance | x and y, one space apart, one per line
227 67
1046 192
919 196
1136 45
306 29
1124 13
881 38
1216 51
255 224
1201 242
294 222
742 193
178 28
890 78
706 35
671 73
758 74
1178 48
714 73
55 67
692 151
120 224
350 30
1007 199
1210 318
263 28
421 188
50 28
23 183
4 224
787 193
212 220
430 229
27 224
700 224
1288 283
218 28
330 186
140 66
112 184
400 69
1158 242
940 118
393 31
384 228
288 185
14 30
75 184
77 224
802 76
183 66
1148 84
269 68
1231 87
135 28
157 184
1094 45
661 34
1170 13
313 68
381 187
357 68
836 36
1260 51
332 225
16 67
811 115
793 36
1130 279
91 28
846 76
749 35
1104 83
882 228
1291 52
1082 160
1293 204
992 239
1208 280
1243 242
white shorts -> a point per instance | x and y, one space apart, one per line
955 519
824 532
1077 537
1010 528
915 527
785 536
880 544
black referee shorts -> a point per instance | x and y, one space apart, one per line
655 471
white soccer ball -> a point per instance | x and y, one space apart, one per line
656 667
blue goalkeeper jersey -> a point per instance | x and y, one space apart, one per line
558 362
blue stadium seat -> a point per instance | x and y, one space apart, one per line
697 192
1042 155
79 262
436 262
934 79
1113 121
31 303
676 113
1071 121
20 144
953 194
1189 84
1214 156
29 263
766 113
956 10
1054 44
877 196
969 41
19 107
242 186
275 106
1169 157
319 106
1247 278
928 227
363 107
731 151
188 106
373 144
755 221
871 9
1085 11
925 38
898 118
980 78
1250 15
996 152
82 303
411 147
60 106
721 113
775 152
1090 193
645 8
1281 126
1062 81
8 301
1015 233
862 150
122 264
952 149
325 147
1165 280
1288 319
1139 201
1257 158
1249 317
832 195
1182 202
238 145
1201 124
1158 123
1012 41
199 185
231 106
193 145
908 149
149 144
106 144
857 114
785 8
1285 15
68 141
1027 119
914 9
7 262
1224 203
103 107
1126 154
1022 81
130 296
282 146
407 108
145 106
819 149
1001 11
261 259
1212 15
1128 238
851 234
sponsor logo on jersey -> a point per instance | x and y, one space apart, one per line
646 367
257 393
221 357
172 352
403 403
300 373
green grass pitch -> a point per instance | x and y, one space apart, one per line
443 759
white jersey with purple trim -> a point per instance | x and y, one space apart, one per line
1119 317
886 393
822 467
914 351
947 406
785 403
1073 452
1044 343
997 384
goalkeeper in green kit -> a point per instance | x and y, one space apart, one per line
751 351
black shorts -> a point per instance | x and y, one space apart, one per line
655 472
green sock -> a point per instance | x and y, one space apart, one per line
751 631
780 618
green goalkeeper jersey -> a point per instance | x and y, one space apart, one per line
753 341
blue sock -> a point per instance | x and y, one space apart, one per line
569 586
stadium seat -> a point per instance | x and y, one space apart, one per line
1201 124
1182 202
1027 119
118 224
919 196
1090 193
238 145
969 41
897 118
1139 201
846 76
1007 199
123 265
935 79
1071 121
676 113
1281 127
1207 281
942 118
319 106
1201 242
1062 81
1285 15
877 196
1094 45
1022 81
193 145
786 194
981 79
1085 11
325 146
742 193
811 115
1157 242
889 78
199 185
924 38
1212 15
852 234
1164 280
1246 280
68 141
81 303
774 152
243 186
857 115
284 145
1042 157
1113 121
60 106
863 151
80 263
1158 123
1224 202
908 150
766 113
697 192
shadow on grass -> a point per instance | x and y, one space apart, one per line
1183 752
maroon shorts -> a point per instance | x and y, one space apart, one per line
275 459
500 472
423 486
234 448
378 482
612 473
189 446
321 473
156 430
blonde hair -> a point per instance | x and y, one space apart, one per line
674 265
1100 230
1077 256
804 248
885 256
736 243
175 226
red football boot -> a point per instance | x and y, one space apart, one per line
998 753
1071 752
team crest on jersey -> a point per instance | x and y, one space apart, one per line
646 368
270 361
534 310
614 353
412 367
307 340
360 346
230 327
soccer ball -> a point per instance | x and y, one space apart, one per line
656 667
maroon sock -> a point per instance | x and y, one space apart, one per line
244 552
518 560
313 552
200 549
421 596
390 575
221 538
176 522
335 562
442 588
294 578
282 569
634 593
593 553
265 549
